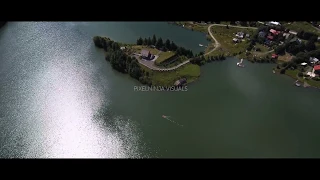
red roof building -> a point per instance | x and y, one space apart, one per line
270 37
274 32
274 56
316 68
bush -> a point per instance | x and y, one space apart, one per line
300 74
278 67
284 64
282 71
316 78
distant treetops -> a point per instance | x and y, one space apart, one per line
164 46
119 60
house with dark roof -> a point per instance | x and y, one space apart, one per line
145 54
262 34
180 82
268 42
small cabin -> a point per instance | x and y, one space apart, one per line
274 56
180 82
313 60
316 69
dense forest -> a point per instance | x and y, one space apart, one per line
120 61
165 46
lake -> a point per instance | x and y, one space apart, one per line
60 98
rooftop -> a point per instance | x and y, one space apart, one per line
317 67
270 37
145 52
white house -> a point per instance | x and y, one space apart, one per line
235 40
313 60
240 35
274 23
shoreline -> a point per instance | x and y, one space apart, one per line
217 45
125 60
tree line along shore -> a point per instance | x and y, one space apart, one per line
123 58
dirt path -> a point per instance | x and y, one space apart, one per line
151 64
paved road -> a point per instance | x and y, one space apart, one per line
151 64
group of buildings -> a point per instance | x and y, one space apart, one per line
240 36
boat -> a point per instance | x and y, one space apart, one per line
274 71
297 83
200 45
240 63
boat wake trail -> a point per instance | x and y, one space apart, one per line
168 118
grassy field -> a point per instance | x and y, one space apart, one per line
193 26
138 49
176 62
313 83
292 73
225 35
164 55
302 25
286 58
190 71
262 48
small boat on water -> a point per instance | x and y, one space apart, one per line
274 71
200 45
297 83
240 63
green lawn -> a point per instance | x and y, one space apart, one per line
193 26
262 47
176 62
313 83
190 71
286 57
302 25
225 36
138 49
292 73
164 55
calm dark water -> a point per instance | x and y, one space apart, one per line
60 98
